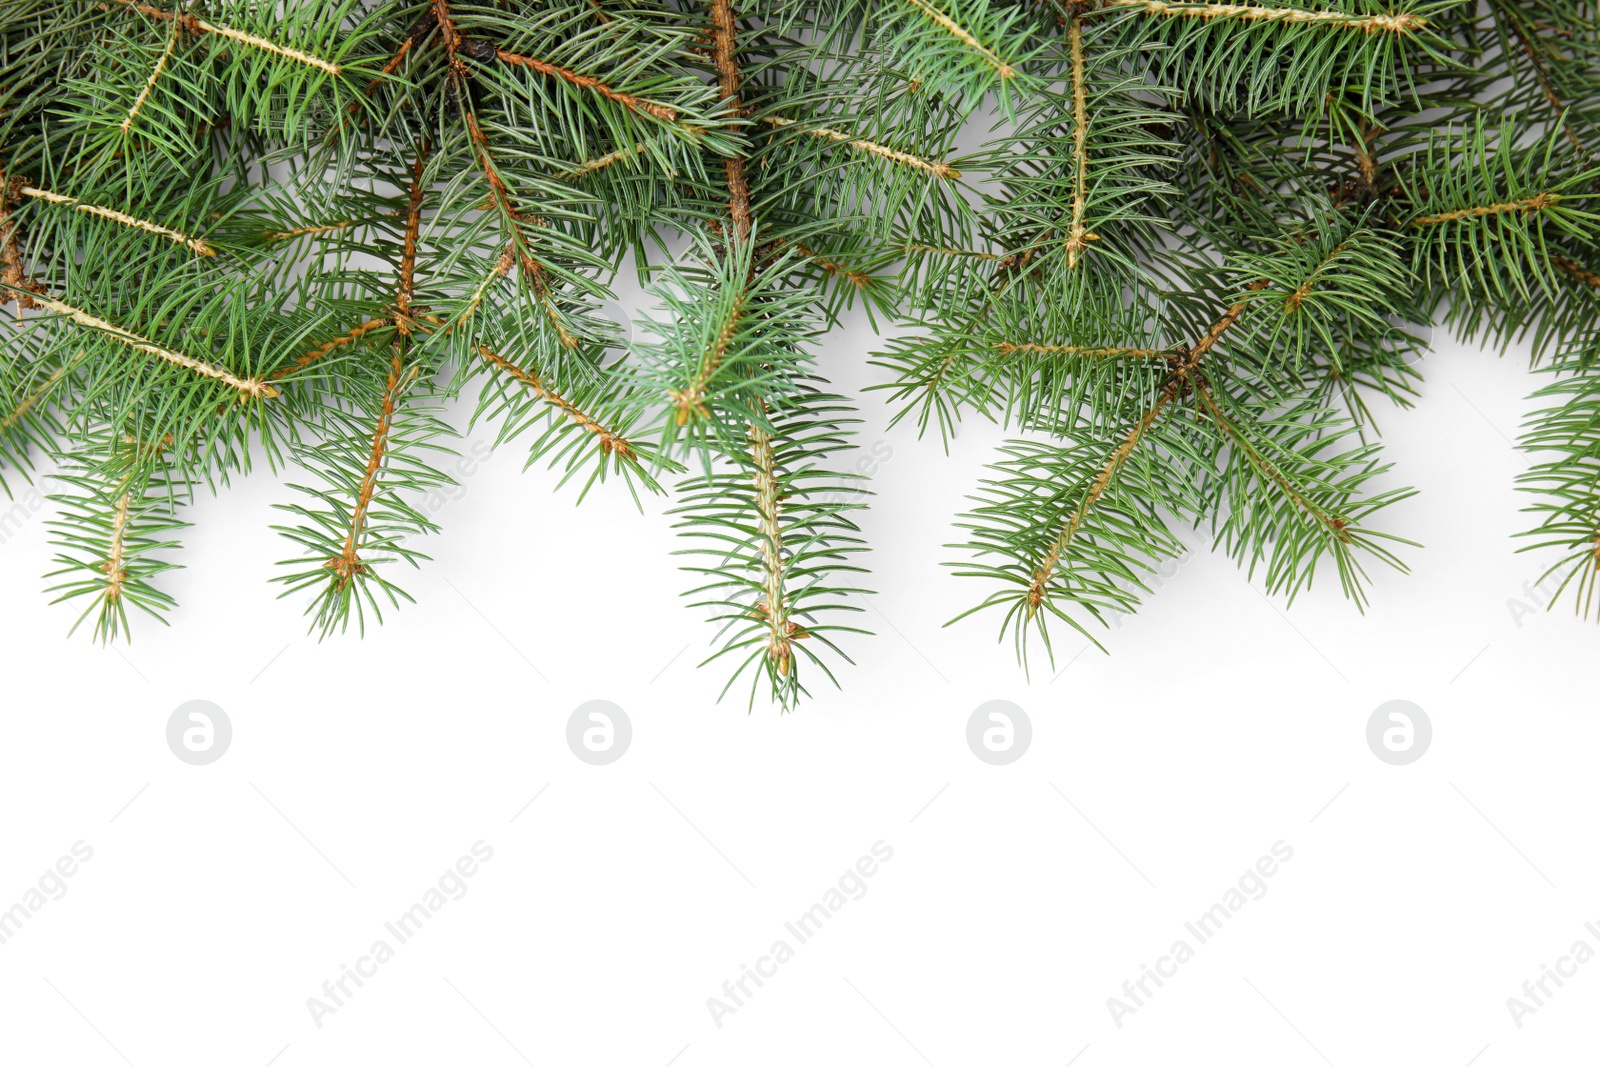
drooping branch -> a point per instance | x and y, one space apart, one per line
408 257
1047 566
500 197
115 570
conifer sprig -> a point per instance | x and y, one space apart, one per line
1179 247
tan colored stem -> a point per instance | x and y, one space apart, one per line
774 605
1046 569
860 279
1587 277
960 33
328 346
1398 24
198 26
595 85
1176 381
17 285
31 401
193 244
408 257
114 567
1078 235
610 440
150 84
1296 298
905 159
348 563
1006 348
253 387
722 22
602 162
302 231
1545 84
1527 206
690 400
535 272
1334 523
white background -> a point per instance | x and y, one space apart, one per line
1018 899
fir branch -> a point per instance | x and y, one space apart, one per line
584 81
195 244
964 36
155 75
195 25
247 387
311 229
689 401
1526 205
938 168
610 439
1008 348
1108 470
348 563
728 78
312 355
1401 24
773 605
31 400
602 162
1078 235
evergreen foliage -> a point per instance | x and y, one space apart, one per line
1194 243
